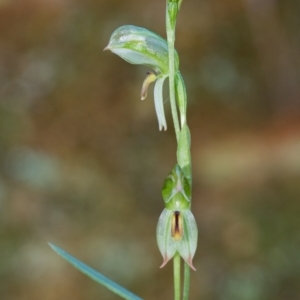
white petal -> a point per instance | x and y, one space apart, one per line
165 242
159 103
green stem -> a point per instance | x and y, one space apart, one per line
170 24
171 42
176 261
186 282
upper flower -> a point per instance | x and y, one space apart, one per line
140 46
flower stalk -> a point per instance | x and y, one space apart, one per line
176 231
176 85
176 266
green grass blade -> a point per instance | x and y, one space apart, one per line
98 277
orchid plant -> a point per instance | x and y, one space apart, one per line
176 229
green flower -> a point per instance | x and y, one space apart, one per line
177 232
177 229
140 46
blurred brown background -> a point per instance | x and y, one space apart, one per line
82 161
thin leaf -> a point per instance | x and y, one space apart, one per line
93 274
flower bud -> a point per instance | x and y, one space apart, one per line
176 190
172 9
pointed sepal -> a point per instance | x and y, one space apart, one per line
188 245
165 242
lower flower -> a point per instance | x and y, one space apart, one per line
177 232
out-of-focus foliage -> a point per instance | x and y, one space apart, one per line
82 162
